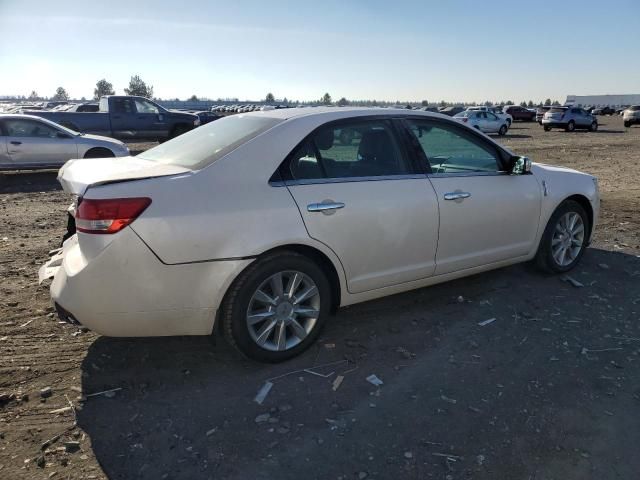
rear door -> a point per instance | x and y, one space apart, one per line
32 143
359 194
486 214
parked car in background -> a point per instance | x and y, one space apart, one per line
206 116
508 119
23 108
519 113
631 116
127 118
487 122
603 111
540 111
452 111
569 118
157 250
28 142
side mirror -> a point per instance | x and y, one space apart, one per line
520 165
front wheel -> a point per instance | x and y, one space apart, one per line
276 308
571 126
503 130
564 239
627 124
546 128
593 127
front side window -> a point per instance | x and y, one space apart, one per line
144 106
29 128
451 150
358 149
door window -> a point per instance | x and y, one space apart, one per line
123 105
144 106
29 128
362 149
492 117
450 150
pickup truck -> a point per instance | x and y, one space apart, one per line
126 118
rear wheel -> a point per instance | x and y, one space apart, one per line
99 153
546 128
571 126
503 130
564 239
627 124
276 308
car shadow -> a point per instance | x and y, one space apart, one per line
29 181
186 408
515 135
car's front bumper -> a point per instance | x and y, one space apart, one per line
126 291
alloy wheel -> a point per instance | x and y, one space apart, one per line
568 239
283 310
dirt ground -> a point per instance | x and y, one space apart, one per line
549 390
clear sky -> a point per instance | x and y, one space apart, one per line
466 50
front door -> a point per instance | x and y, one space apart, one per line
32 143
486 214
362 197
152 122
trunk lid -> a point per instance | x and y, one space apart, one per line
76 176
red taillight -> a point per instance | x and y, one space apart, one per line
109 215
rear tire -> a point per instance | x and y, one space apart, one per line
99 153
627 124
243 304
503 130
546 128
571 126
555 234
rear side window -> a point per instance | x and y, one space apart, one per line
123 105
206 144
358 149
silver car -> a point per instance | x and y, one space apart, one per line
28 142
569 118
631 116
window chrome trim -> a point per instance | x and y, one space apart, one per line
320 181
467 174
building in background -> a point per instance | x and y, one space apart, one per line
603 100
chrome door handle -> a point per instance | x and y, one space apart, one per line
456 195
324 206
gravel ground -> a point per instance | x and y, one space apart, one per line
549 390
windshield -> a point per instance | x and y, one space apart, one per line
204 145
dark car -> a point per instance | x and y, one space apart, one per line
451 111
603 111
519 113
206 117
540 113
127 117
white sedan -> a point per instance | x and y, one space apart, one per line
267 222
28 142
486 122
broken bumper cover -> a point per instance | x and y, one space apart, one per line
124 290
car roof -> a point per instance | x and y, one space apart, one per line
335 113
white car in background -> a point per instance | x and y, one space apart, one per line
267 222
506 117
28 142
486 122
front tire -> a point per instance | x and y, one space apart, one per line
277 307
593 127
546 128
571 126
503 130
564 239
99 153
627 124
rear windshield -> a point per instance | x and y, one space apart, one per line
634 108
204 145
558 110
